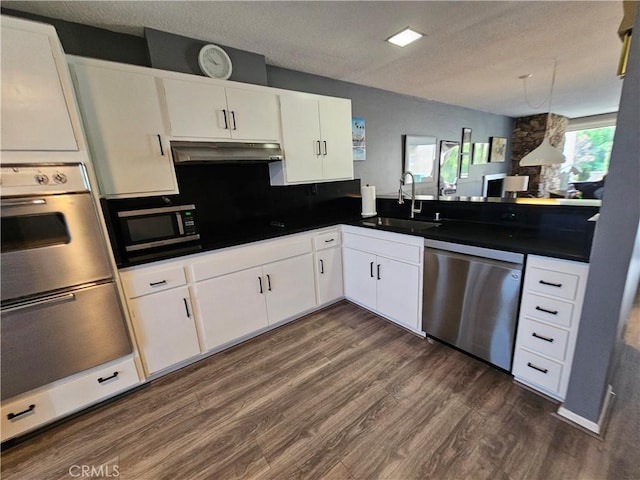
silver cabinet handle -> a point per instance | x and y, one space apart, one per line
324 142
67 297
20 203
318 145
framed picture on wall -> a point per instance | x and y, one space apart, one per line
498 149
449 166
465 152
358 139
480 153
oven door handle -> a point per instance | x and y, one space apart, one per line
52 300
21 203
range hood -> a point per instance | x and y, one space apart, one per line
225 152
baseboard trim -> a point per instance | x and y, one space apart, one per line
597 428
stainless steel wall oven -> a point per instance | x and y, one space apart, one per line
60 309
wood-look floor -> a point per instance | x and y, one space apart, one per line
339 394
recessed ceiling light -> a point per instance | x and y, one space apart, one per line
405 37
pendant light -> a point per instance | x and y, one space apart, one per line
544 154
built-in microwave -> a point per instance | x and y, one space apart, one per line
144 234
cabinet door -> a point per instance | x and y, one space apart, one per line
359 277
329 275
196 109
398 291
290 287
34 109
123 121
254 115
301 138
337 147
164 327
231 306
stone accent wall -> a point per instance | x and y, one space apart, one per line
528 133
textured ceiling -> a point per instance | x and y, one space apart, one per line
472 54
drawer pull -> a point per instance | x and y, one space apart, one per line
330 240
12 415
321 267
540 369
551 312
104 379
541 337
157 284
550 284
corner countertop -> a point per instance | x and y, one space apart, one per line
555 243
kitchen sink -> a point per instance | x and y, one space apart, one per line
401 223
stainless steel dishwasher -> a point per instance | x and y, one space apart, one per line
470 299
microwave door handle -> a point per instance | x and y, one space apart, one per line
180 225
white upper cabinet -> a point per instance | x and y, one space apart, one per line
203 110
316 136
35 116
123 121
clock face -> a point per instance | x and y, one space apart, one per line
214 62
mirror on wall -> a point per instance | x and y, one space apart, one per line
449 165
420 158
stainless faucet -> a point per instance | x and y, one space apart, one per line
414 210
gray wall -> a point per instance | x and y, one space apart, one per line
615 259
389 115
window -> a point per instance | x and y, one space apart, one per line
587 148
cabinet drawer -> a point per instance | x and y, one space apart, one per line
141 282
547 309
549 282
94 386
30 412
538 370
386 248
543 338
326 240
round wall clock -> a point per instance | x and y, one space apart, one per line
214 62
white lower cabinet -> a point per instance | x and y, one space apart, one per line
243 290
237 304
165 328
383 272
329 285
231 306
289 287
44 405
162 315
548 325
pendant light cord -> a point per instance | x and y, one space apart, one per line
553 82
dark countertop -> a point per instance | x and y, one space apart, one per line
556 243
553 243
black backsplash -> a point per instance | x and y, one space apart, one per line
239 196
